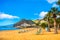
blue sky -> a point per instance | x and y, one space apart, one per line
12 11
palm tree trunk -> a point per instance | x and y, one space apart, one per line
58 26
48 26
39 31
55 27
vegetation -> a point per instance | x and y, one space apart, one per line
58 22
58 2
41 24
48 19
51 17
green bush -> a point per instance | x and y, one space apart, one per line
43 25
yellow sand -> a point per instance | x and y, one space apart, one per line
29 35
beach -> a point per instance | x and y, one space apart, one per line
30 34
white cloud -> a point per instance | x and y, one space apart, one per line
7 16
55 5
51 1
42 14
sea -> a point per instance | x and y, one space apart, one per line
9 27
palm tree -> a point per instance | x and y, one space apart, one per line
38 26
58 2
58 23
54 12
47 18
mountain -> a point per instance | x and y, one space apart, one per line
24 22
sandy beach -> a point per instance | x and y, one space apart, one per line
30 34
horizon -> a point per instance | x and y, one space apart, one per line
12 11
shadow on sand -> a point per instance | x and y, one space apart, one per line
3 39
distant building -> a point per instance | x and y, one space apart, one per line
25 24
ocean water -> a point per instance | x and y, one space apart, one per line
7 28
